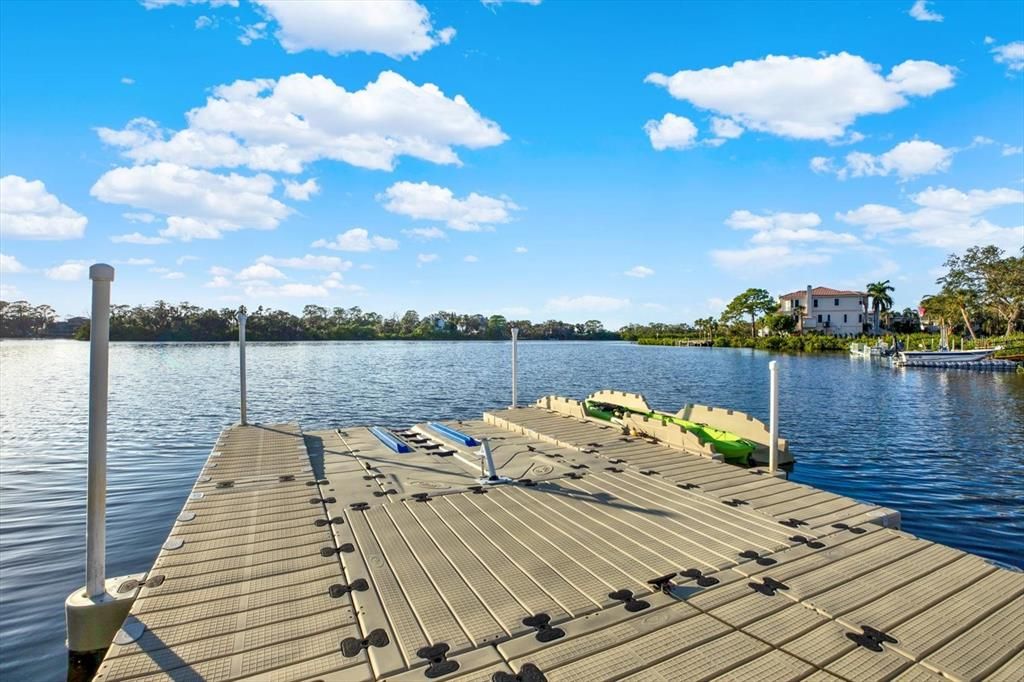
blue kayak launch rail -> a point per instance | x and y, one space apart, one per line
390 440
452 434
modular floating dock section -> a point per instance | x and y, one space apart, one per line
328 555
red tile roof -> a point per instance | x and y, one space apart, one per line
820 291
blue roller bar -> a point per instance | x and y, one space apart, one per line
449 432
390 440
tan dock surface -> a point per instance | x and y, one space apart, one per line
608 558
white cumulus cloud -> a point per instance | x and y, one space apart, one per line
138 238
426 233
1011 54
199 204
68 271
308 262
471 259
919 10
725 128
218 282
906 160
804 97
746 220
945 218
28 211
424 201
397 28
357 239
671 132
10 265
284 124
260 271
424 258
301 191
639 271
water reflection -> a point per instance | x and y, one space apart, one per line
945 448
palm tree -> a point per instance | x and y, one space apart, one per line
880 299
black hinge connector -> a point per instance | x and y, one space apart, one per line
439 663
528 673
698 577
350 646
358 585
768 586
542 623
761 560
632 603
800 539
871 638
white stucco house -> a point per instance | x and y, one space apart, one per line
830 311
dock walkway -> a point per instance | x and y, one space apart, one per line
608 558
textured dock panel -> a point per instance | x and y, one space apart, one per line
220 602
614 558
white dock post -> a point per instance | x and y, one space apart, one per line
515 339
492 474
99 365
94 614
241 366
773 419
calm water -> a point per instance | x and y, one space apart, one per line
945 448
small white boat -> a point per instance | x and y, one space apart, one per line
863 350
944 355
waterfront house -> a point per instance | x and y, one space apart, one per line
829 311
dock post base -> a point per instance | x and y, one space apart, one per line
92 623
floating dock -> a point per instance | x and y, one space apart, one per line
976 365
335 555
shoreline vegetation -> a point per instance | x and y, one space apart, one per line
981 296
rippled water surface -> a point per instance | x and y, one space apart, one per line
946 448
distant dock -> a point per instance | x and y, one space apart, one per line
330 555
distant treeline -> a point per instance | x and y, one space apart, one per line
185 322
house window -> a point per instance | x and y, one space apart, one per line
815 303
844 318
860 318
828 317
837 301
819 316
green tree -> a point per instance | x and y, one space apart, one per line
880 300
983 279
751 302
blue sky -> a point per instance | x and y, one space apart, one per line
628 162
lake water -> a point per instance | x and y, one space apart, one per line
946 448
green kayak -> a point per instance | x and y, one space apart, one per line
733 448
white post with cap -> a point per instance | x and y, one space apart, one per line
773 419
515 339
94 613
241 367
99 366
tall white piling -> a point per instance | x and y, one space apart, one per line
241 368
99 365
773 420
515 340
94 613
